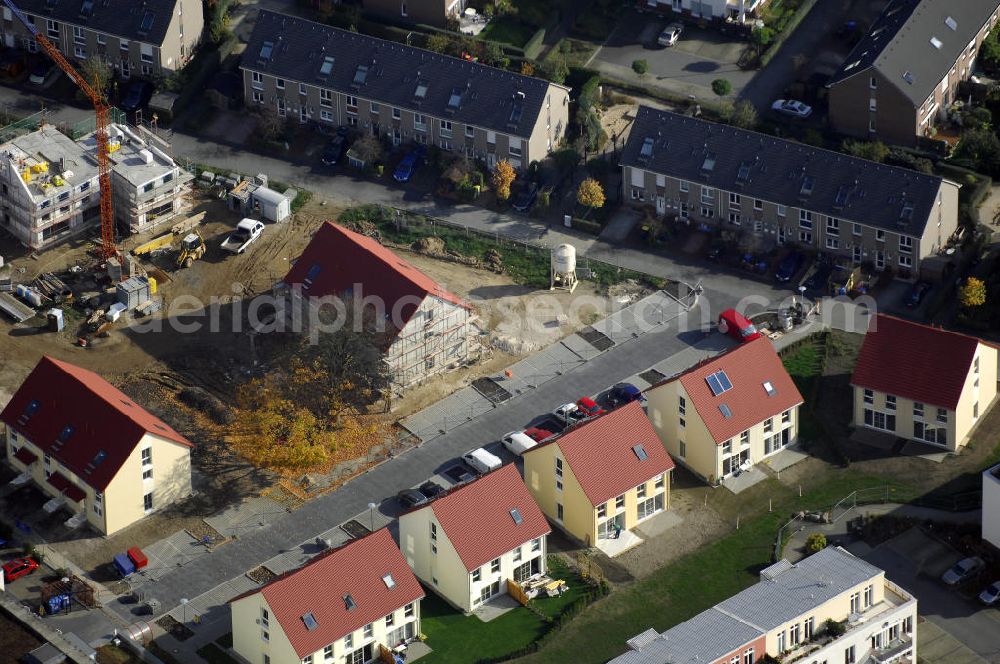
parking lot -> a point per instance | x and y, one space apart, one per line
916 561
687 68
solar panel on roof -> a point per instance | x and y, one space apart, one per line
714 385
724 380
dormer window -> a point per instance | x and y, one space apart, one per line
327 66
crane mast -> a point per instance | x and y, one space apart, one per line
102 125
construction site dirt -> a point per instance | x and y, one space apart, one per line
160 370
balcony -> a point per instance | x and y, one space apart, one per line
892 652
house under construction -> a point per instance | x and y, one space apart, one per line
49 190
430 330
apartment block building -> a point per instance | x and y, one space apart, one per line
49 189
787 615
467 544
423 328
317 73
602 478
425 12
991 506
91 449
728 413
356 603
923 383
138 38
900 79
775 192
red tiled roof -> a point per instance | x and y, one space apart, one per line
915 361
25 456
601 455
339 259
62 484
97 417
748 367
320 586
477 517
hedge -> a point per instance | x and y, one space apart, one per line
775 46
534 46
587 226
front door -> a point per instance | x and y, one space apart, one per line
396 138
303 114
661 205
126 69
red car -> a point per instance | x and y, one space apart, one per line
589 407
17 568
737 326
538 435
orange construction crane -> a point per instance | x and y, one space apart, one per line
103 123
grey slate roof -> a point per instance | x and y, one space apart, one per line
899 44
781 171
785 592
392 73
138 20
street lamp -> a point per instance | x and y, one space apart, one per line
371 515
184 605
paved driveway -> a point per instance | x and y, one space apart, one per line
915 561
688 68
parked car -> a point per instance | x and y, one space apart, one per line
538 434
246 232
963 570
569 414
792 108
917 294
670 34
42 72
408 166
737 326
990 594
789 266
334 150
411 497
518 442
623 393
431 489
136 96
590 407
482 461
15 569
819 279
526 199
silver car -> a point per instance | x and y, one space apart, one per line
991 594
963 570
670 34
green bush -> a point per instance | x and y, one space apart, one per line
587 226
640 67
722 87
834 628
534 46
588 93
815 542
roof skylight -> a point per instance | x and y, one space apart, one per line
349 602
389 581
310 621
421 90
640 452
516 515
726 413
769 388
266 49
936 43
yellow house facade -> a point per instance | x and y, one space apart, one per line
467 544
349 604
602 477
92 449
727 413
923 383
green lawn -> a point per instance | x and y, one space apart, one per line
508 30
804 364
460 639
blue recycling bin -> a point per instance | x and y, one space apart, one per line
124 565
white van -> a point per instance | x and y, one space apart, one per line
518 442
482 461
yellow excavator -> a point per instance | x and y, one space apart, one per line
192 248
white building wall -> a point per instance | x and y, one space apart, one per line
438 337
991 506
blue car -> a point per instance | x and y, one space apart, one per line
624 393
408 166
789 266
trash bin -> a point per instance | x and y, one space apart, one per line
55 320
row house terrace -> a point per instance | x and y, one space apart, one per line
320 74
780 192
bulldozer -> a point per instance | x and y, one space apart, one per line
192 248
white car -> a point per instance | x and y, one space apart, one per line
991 594
795 109
963 570
518 442
482 461
246 232
569 414
670 34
